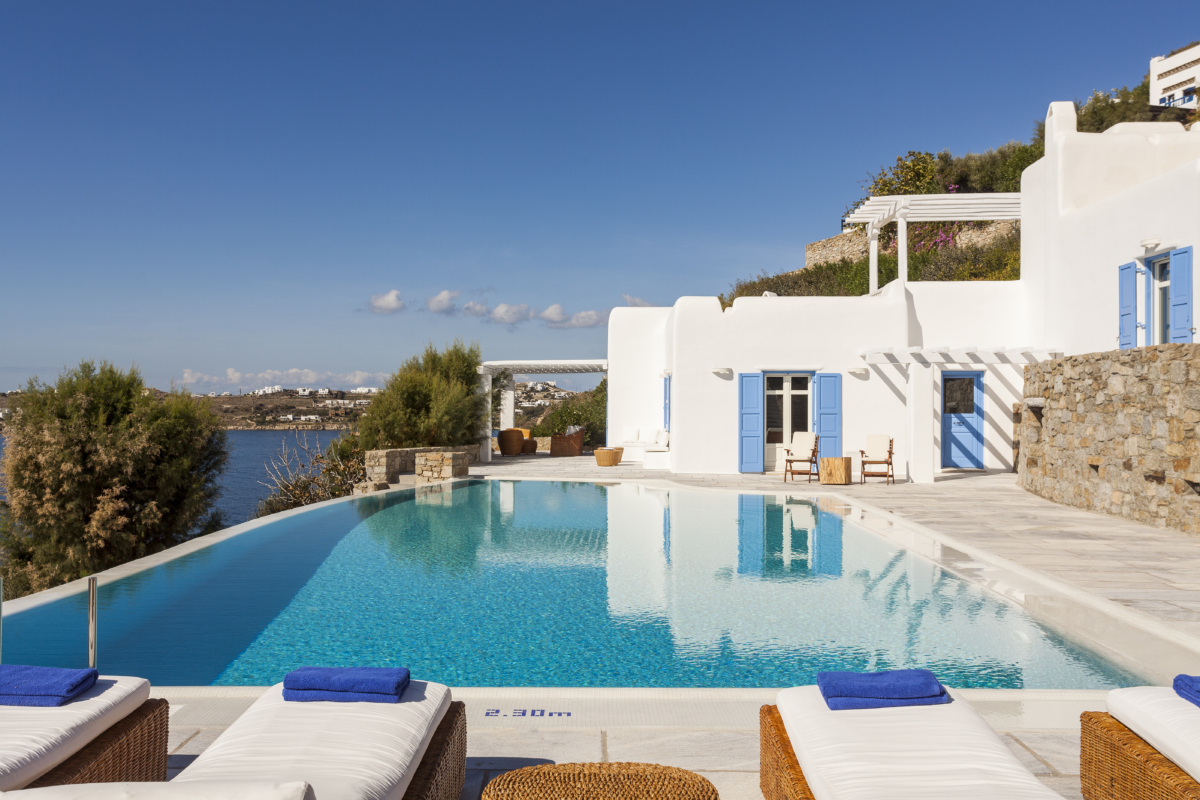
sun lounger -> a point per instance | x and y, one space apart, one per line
195 790
911 753
1146 746
414 749
112 732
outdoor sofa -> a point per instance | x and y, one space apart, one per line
932 752
112 732
1146 746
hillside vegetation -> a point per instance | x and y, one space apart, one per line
933 255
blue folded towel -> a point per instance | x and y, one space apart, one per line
42 686
898 687
346 685
1187 687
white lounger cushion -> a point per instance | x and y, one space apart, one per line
345 751
193 790
1168 723
914 753
34 741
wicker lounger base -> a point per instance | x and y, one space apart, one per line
443 771
134 749
1117 764
618 781
779 772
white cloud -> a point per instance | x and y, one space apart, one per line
288 378
581 319
637 302
506 314
443 302
554 314
387 303
474 308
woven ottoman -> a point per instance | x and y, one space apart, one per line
600 782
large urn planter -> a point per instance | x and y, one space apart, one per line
510 442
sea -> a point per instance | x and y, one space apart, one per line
242 483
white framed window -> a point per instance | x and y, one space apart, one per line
1158 328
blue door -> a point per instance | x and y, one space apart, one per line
962 420
827 413
667 403
751 423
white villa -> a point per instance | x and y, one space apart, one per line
1108 225
937 366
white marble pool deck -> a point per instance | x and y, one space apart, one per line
1130 589
710 731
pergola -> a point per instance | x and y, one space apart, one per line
489 369
905 208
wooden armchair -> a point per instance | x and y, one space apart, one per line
803 450
878 453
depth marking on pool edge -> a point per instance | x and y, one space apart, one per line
523 712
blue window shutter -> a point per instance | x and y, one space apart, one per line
751 425
1148 333
667 403
1181 295
1127 289
751 518
827 413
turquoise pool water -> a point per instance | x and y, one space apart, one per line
505 583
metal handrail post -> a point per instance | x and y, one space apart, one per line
92 623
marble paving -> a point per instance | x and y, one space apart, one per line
710 731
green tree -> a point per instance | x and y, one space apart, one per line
589 409
97 471
433 400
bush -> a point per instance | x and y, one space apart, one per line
98 472
998 261
431 401
301 475
589 409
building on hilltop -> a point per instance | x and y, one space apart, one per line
1173 78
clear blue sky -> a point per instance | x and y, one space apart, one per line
226 191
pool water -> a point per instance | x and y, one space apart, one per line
530 583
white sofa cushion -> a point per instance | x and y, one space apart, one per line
630 435
663 439
34 741
647 435
1170 724
345 751
194 790
913 753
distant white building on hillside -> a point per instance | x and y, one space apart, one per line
1173 79
365 390
302 392
268 390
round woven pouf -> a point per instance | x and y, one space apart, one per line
600 782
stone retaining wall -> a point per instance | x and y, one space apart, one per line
386 466
851 244
433 467
1117 433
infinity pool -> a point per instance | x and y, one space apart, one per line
504 583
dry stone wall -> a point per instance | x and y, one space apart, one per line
386 466
852 245
1116 433
433 467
